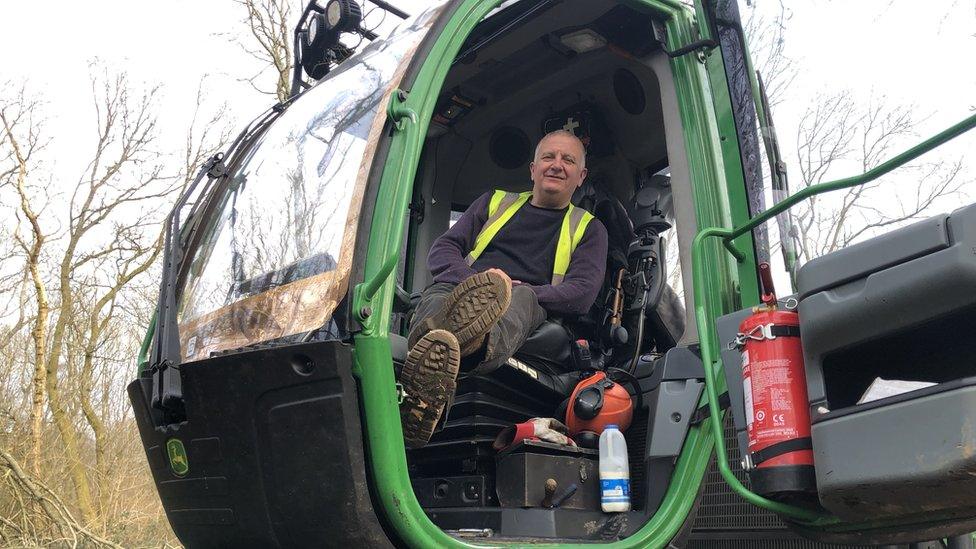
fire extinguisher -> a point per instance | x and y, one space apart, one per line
780 457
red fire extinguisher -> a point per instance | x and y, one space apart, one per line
780 457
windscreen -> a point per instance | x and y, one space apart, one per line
274 263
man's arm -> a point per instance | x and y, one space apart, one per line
578 290
446 258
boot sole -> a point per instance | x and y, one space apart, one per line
473 308
429 378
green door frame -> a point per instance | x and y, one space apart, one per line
373 367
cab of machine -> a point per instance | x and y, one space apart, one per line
294 264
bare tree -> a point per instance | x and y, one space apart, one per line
767 46
125 133
22 142
52 505
269 23
837 133
79 265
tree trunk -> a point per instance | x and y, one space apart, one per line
97 427
39 331
75 463
39 381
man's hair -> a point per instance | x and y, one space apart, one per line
567 133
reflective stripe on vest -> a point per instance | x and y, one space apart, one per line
503 206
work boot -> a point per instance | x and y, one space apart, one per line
469 311
429 378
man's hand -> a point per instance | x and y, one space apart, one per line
503 275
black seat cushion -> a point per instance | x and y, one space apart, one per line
549 348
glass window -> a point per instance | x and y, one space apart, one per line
276 257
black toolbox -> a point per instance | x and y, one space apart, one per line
522 472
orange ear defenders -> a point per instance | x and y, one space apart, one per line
598 401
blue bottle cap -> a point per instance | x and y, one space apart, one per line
611 426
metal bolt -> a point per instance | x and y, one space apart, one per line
471 491
365 312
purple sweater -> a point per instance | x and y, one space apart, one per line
525 248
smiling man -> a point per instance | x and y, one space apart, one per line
510 261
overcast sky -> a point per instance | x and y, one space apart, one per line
914 53
919 54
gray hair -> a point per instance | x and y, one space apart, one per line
567 133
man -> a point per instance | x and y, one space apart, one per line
508 262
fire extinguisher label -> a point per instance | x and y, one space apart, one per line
773 413
747 389
747 393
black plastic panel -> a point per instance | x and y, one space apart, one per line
274 448
862 259
899 306
867 327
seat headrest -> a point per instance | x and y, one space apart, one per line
593 197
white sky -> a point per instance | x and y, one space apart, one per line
922 54
174 43
915 53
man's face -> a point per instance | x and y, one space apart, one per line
557 170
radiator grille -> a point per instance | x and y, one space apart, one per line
723 509
726 521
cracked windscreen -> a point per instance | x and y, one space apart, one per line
274 263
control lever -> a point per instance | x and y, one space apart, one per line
551 486
558 500
617 334
551 500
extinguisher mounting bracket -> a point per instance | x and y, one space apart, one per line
764 332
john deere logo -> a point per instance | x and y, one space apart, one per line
177 457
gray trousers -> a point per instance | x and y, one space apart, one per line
523 316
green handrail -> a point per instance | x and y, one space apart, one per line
704 312
868 176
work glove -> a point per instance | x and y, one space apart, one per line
540 428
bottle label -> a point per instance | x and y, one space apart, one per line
615 490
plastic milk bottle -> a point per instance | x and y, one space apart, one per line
614 471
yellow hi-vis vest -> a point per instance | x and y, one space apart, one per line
503 206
